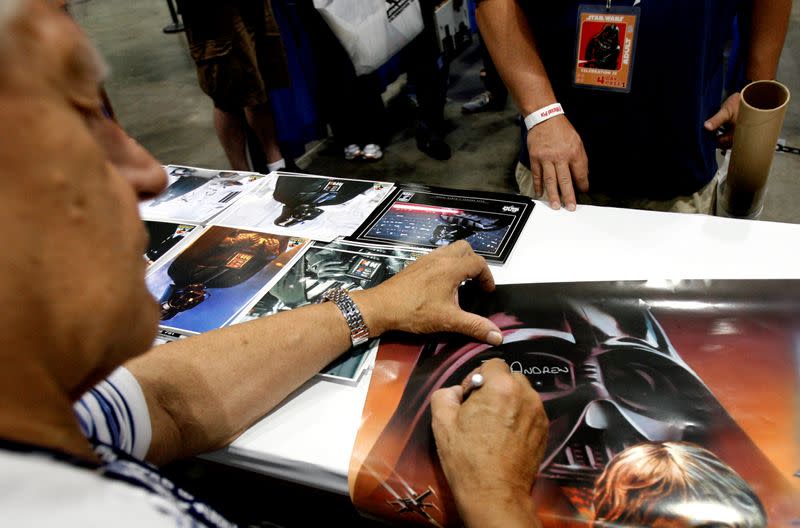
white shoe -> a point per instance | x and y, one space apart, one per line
352 152
372 152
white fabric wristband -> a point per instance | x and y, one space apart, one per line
543 114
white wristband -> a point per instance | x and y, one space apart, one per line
543 114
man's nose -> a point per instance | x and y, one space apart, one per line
133 161
141 169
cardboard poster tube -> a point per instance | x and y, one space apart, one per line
762 108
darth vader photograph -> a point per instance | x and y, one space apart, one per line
214 278
327 266
310 206
430 226
668 385
427 217
334 265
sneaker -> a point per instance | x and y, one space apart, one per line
372 152
482 102
352 152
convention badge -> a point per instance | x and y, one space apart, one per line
606 46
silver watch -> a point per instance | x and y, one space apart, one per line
359 333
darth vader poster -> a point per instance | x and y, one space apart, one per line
670 404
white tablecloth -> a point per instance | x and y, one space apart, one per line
308 438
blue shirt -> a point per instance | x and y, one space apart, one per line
649 142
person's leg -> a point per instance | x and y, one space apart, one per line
429 73
495 96
260 119
492 79
230 131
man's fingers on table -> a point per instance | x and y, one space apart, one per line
536 174
564 178
551 184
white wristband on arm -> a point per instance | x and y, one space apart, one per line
543 114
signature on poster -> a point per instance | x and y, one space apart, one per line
516 366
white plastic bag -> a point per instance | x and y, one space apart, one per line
371 31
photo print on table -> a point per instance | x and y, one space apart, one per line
428 217
197 195
315 207
324 267
208 284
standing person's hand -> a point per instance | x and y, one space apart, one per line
724 121
423 298
491 445
557 159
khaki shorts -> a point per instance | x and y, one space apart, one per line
238 51
702 201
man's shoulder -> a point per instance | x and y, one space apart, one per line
43 491
49 488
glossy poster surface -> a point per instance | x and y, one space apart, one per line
670 404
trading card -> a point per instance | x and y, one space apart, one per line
428 217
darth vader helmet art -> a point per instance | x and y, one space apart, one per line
299 213
608 378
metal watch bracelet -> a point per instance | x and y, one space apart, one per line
359 333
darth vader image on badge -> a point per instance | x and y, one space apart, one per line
603 49
636 437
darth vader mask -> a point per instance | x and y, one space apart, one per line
609 378
294 215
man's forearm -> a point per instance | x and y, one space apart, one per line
507 35
770 19
204 391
